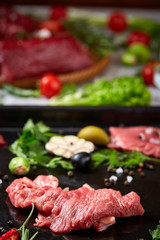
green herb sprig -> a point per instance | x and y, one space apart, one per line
93 38
31 145
16 91
154 233
25 232
115 159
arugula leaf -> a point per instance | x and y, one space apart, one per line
115 158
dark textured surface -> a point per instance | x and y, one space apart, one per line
71 116
147 187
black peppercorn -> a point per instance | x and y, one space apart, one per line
70 173
107 184
142 174
10 222
131 173
5 177
126 183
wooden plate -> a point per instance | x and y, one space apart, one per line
81 76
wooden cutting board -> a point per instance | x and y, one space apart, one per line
81 76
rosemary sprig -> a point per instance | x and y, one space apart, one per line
94 38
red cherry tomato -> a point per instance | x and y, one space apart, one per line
52 25
50 85
139 37
148 72
58 12
117 22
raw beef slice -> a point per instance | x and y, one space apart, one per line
13 22
64 210
34 57
144 139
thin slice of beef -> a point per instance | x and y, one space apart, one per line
23 192
83 208
33 57
144 139
64 211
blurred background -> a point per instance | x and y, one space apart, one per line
97 11
145 4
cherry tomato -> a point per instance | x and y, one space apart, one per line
139 37
58 12
52 25
148 72
50 85
117 22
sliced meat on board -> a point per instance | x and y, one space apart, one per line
27 58
144 139
64 210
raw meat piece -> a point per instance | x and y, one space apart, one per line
23 192
34 57
83 208
144 139
43 180
13 22
64 211
2 141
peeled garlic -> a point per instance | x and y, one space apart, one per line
68 146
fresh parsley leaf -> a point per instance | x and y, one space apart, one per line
31 145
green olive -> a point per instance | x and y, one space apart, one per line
19 166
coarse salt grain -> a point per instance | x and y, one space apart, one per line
113 178
129 179
119 170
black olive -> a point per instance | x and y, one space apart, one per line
81 160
